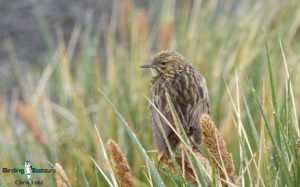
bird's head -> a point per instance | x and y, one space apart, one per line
164 62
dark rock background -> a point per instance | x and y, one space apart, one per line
19 22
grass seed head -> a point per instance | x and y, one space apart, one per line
120 164
60 176
216 145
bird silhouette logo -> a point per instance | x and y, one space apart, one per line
28 169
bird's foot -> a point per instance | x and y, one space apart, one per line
194 146
161 157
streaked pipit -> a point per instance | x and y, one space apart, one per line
173 73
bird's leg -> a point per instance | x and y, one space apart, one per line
160 158
194 146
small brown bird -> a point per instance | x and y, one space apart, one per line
173 73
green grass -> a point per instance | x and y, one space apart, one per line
250 58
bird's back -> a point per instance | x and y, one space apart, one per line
188 93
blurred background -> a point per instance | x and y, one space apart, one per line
31 24
55 55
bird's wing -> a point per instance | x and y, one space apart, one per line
200 107
158 122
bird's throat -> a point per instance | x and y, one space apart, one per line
154 72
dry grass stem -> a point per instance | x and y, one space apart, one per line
298 147
216 145
61 177
125 9
120 164
166 35
186 167
28 117
142 26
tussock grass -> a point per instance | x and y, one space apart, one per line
248 52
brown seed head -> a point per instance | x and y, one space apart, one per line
61 177
27 115
121 165
216 145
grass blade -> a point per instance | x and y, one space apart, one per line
2 182
274 99
252 124
102 172
180 126
113 178
154 173
83 174
283 165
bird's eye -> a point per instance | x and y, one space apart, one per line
163 63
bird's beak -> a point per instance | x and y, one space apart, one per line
148 65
